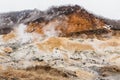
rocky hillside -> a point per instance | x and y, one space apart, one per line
65 42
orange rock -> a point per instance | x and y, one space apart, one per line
8 36
8 50
71 23
35 27
77 23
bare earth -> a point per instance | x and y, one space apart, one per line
67 44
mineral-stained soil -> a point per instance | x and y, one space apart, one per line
34 73
62 43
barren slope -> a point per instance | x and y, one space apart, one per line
62 43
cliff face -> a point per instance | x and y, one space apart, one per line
64 42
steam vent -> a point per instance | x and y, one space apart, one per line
61 43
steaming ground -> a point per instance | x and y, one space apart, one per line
64 42
70 58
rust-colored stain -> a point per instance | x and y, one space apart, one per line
8 50
64 43
35 27
9 36
77 23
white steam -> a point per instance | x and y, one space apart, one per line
22 35
49 30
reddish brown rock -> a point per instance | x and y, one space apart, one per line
78 21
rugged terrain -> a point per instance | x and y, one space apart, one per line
66 42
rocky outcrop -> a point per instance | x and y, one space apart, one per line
67 20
